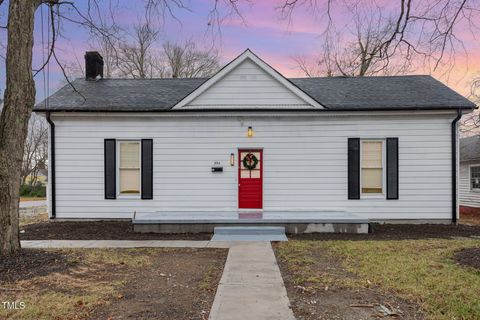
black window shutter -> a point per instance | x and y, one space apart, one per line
353 168
392 168
109 154
147 169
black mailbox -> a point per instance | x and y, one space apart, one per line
217 169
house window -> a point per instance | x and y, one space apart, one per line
475 178
129 167
372 167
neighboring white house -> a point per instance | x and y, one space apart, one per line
251 141
470 173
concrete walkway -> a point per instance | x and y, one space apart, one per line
123 244
251 286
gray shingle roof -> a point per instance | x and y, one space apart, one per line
382 92
337 93
121 94
470 148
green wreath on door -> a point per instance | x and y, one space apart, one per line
250 161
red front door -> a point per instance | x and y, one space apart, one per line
250 179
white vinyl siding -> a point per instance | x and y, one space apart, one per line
468 196
305 163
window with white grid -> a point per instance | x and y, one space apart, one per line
475 177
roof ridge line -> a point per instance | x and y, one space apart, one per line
363 77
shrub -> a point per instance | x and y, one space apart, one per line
37 190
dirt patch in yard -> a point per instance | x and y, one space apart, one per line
172 288
29 263
469 257
98 230
399 232
346 304
149 283
321 289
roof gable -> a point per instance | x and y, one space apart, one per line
248 83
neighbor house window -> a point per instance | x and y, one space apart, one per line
129 167
372 166
475 178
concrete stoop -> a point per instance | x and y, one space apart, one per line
249 234
292 221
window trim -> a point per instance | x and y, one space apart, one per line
121 195
470 177
383 194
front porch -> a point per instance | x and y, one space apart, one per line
293 221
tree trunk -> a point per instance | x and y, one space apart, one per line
18 103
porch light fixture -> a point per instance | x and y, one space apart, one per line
250 132
232 159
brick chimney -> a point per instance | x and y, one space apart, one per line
93 65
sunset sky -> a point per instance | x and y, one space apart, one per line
263 30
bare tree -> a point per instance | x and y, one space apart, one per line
107 46
136 58
422 30
74 68
358 52
186 61
470 123
19 99
106 37
36 150
322 65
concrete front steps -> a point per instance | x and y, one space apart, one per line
259 233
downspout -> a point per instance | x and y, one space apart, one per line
52 165
454 165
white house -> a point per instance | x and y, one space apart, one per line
470 174
249 145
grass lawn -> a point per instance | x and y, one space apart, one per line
417 275
22 199
111 283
